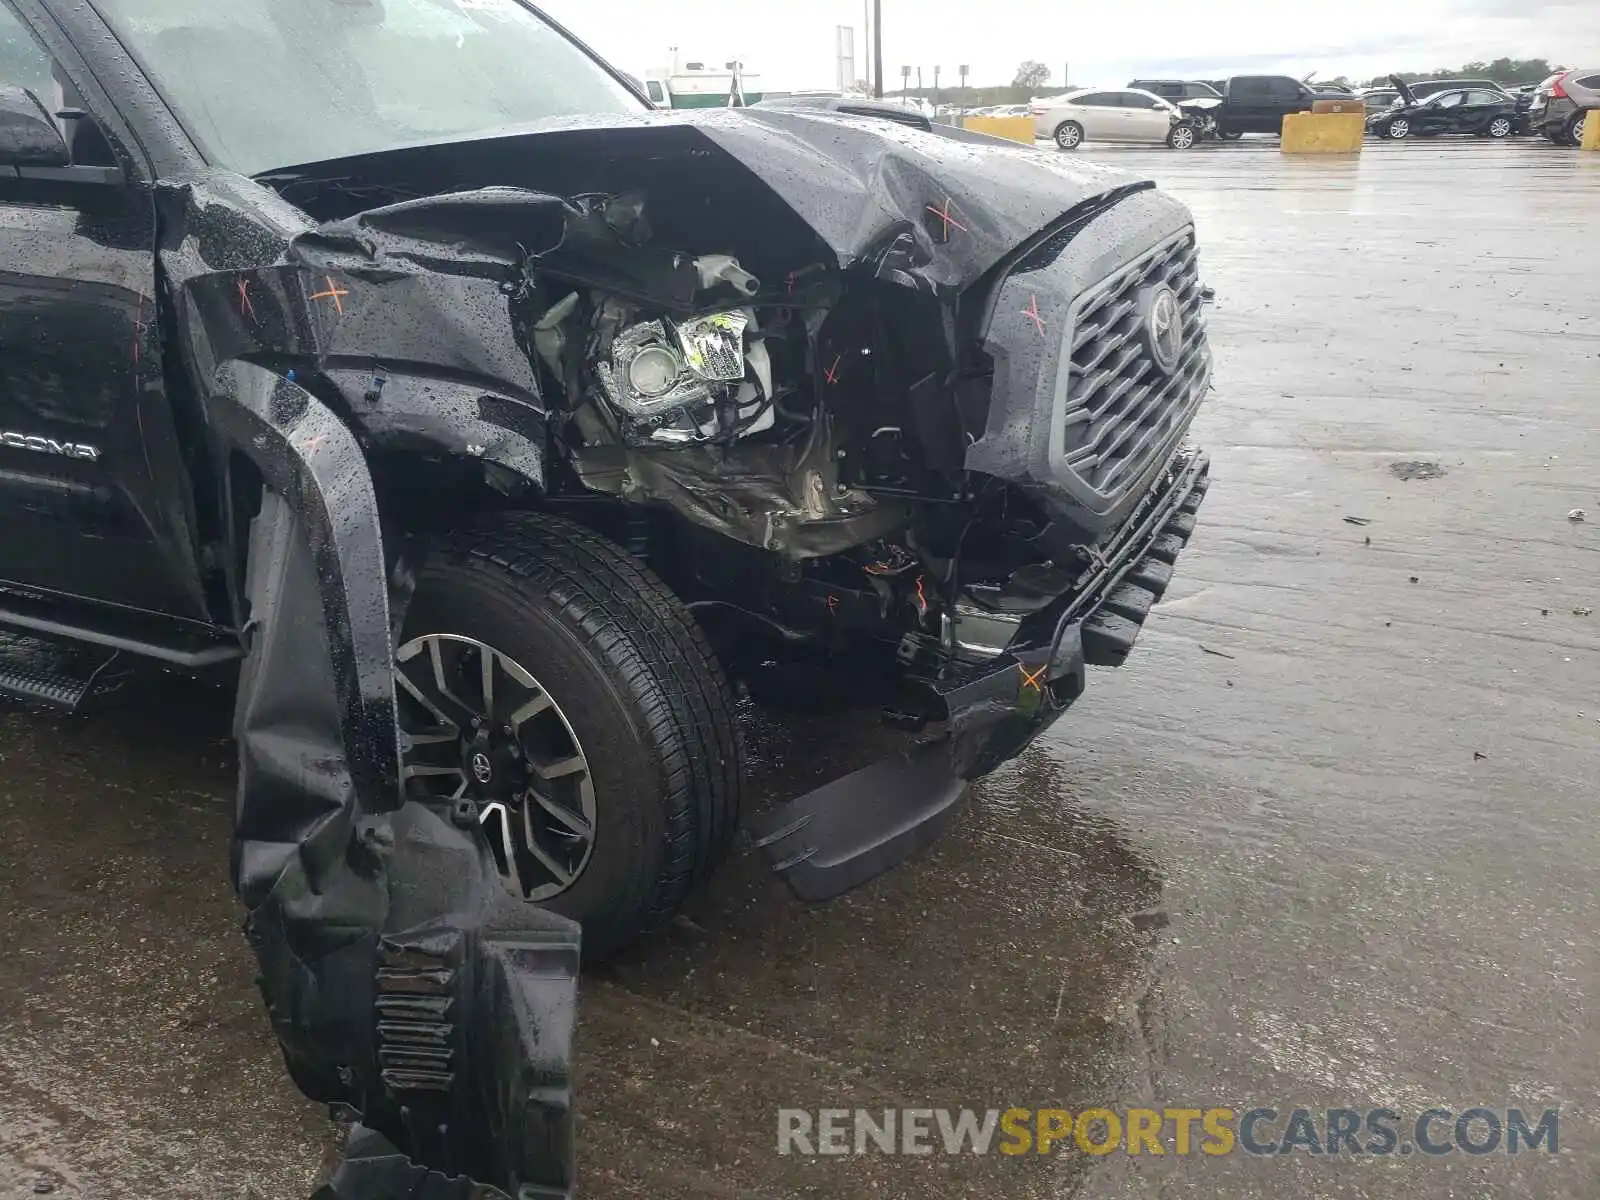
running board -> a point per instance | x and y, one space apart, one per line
104 628
36 671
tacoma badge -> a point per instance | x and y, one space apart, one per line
44 445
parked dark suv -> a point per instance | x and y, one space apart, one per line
1177 89
487 425
1560 105
1423 88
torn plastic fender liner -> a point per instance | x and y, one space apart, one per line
402 980
307 456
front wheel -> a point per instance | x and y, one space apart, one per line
1397 129
555 689
1181 137
1500 127
1069 135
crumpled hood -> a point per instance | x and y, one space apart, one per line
852 179
855 183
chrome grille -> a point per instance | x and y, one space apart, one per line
1121 410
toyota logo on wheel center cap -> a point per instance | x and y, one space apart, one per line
482 768
1163 327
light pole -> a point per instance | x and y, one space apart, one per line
962 70
866 32
877 48
935 89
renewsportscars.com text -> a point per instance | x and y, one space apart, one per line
1336 1132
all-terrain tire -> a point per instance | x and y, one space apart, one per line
639 685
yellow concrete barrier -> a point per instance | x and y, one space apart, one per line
1591 130
1323 133
1017 129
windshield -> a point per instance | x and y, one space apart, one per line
273 83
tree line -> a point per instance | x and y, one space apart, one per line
1033 74
1501 70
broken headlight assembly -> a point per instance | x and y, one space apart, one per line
688 381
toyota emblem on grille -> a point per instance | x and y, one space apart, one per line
1163 327
482 768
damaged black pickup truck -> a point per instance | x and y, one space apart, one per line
493 428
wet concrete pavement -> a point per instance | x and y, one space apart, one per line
1329 839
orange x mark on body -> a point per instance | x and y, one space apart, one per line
334 292
1034 679
1032 313
944 215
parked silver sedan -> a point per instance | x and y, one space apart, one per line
1112 115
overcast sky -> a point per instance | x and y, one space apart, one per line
791 42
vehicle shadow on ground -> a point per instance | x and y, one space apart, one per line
1009 965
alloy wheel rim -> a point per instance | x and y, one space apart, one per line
478 727
1500 127
1183 138
1399 129
1068 136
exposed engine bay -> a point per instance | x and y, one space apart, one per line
817 432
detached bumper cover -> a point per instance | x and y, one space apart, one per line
840 836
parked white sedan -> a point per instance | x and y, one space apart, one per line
1117 115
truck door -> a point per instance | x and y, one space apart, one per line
1248 104
1285 96
94 491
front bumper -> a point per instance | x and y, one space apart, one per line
849 831
997 710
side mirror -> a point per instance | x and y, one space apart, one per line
28 135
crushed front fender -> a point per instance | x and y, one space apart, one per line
404 984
